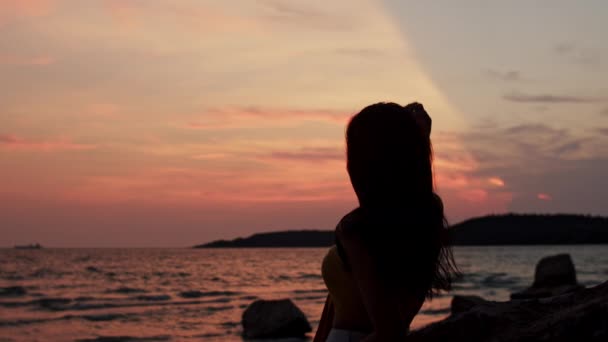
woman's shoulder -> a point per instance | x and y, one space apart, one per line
349 226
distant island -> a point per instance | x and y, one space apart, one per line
292 238
30 246
508 229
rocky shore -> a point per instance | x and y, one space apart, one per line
577 316
554 308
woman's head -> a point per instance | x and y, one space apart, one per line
389 161
389 154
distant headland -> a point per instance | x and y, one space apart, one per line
508 229
30 246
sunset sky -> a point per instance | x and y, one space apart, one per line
172 123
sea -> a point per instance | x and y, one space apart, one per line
200 294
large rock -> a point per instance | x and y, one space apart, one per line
576 316
465 303
555 270
554 275
274 319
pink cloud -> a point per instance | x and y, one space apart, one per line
201 187
13 142
544 197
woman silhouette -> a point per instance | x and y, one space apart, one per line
391 252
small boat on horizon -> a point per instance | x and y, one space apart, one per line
30 246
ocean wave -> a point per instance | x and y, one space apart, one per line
208 335
464 277
53 304
248 297
90 317
18 322
230 324
476 281
169 274
13 304
199 294
47 272
465 286
499 280
309 276
13 276
126 290
92 303
13 291
85 299
218 308
310 297
160 297
126 339
105 317
310 291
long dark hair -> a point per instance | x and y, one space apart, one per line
390 164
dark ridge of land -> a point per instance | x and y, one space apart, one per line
509 229
519 229
292 238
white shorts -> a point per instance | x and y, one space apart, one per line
341 335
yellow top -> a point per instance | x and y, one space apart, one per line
349 311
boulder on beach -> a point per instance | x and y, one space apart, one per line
576 316
554 275
274 319
465 303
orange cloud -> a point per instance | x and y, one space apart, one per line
496 181
13 142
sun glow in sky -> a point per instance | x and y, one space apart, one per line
163 123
